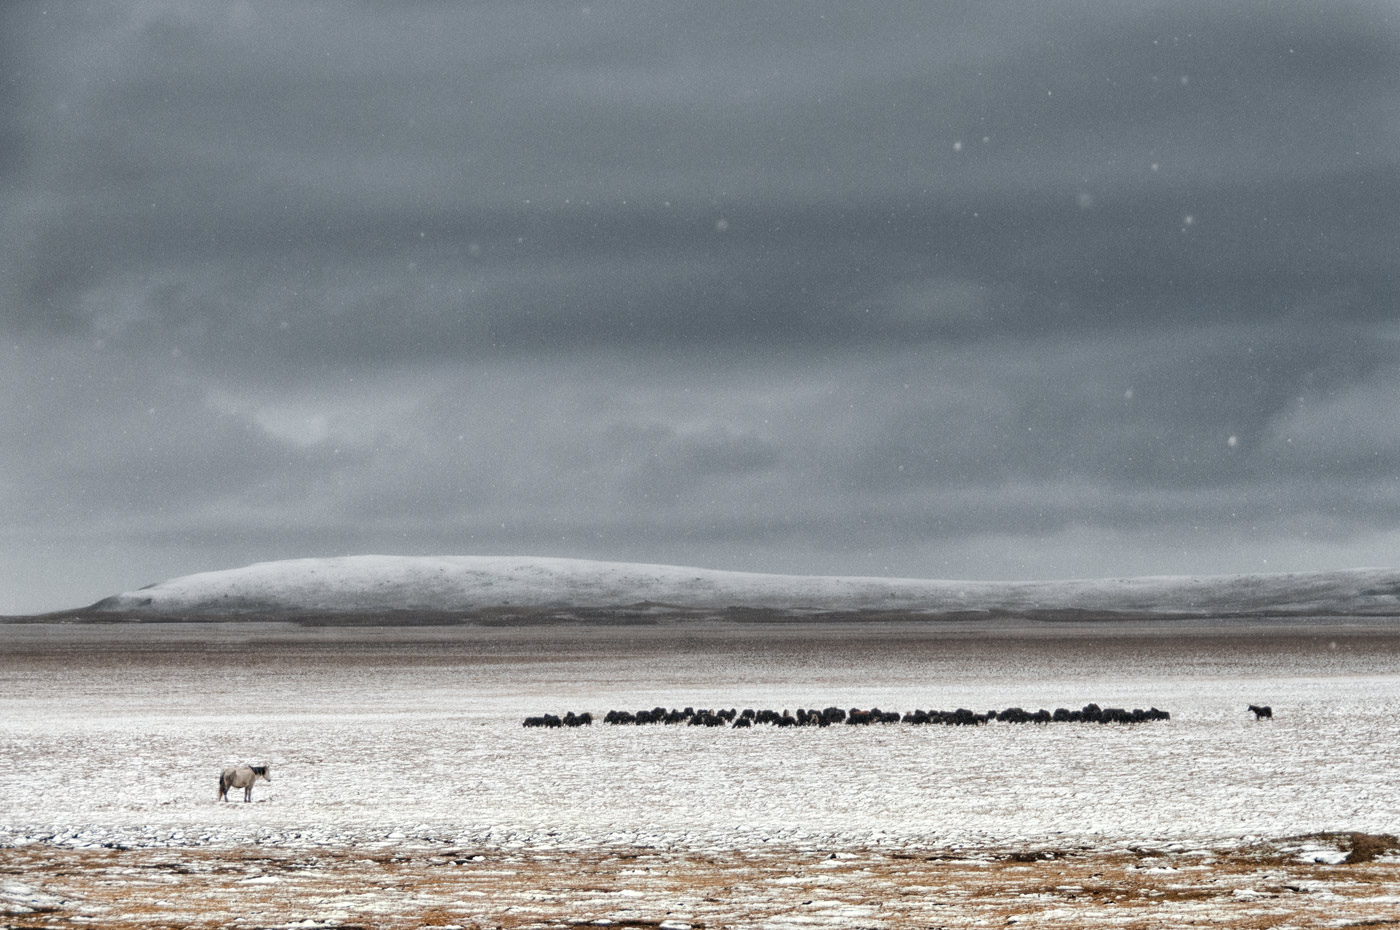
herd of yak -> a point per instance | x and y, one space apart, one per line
1090 713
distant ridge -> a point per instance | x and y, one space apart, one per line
464 585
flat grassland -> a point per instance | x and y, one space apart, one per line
405 793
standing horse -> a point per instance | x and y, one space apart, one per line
242 776
1262 711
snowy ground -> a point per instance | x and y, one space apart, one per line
113 736
373 734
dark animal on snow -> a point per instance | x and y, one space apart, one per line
962 717
242 776
1262 711
1116 715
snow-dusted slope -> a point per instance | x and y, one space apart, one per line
374 583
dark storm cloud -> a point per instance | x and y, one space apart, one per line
505 158
930 289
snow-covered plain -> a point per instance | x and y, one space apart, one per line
405 793
474 583
115 734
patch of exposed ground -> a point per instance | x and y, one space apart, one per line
1331 880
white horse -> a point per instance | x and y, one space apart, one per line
242 776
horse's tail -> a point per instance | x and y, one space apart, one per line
223 786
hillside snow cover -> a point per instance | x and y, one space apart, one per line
379 583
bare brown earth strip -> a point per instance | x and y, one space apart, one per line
1269 885
250 641
651 614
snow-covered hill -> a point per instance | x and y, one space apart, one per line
457 584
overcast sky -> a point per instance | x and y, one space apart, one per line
960 290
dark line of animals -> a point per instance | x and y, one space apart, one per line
1090 713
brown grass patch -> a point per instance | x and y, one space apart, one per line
204 889
1367 847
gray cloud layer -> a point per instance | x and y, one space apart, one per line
978 290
